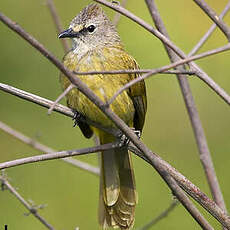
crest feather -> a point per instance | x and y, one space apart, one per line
91 11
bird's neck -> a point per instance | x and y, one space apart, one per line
81 49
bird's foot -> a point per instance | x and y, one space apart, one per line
77 117
137 132
124 140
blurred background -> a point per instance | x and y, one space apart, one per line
71 195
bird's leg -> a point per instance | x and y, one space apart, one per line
77 118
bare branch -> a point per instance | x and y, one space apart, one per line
69 88
218 213
190 188
139 154
162 215
215 18
36 145
187 186
200 73
36 99
201 141
175 64
124 71
57 155
117 15
209 32
58 108
12 25
31 209
190 207
140 22
57 23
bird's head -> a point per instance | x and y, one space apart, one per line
91 28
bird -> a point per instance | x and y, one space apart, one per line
96 46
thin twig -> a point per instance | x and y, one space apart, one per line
126 71
209 32
200 73
117 15
162 215
190 188
31 209
141 22
57 23
199 134
69 88
36 145
186 185
218 213
173 65
57 155
215 18
58 107
186 202
169 168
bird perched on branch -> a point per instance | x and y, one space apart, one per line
97 47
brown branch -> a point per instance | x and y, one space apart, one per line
209 32
32 210
215 18
162 215
117 15
57 155
173 65
40 147
190 188
62 95
178 177
187 203
200 73
199 134
188 72
187 186
57 22
141 22
194 191
218 213
47 104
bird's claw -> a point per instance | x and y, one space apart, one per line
137 132
124 140
76 118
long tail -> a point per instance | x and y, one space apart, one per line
118 196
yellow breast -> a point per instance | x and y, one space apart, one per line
104 86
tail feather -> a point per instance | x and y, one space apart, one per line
110 178
118 196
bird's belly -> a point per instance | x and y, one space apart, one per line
104 88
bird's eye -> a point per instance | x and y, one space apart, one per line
91 28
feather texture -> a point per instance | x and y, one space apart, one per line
101 50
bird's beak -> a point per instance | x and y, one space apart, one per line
67 34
